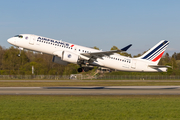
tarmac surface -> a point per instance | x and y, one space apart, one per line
92 90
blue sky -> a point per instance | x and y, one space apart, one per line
101 23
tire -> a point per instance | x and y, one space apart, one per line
79 69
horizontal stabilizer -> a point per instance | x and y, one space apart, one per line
159 66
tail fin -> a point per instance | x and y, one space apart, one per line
156 52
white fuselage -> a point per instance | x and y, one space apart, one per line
51 46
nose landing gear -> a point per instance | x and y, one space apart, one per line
19 51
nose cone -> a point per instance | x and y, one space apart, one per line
11 41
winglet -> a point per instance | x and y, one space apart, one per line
126 48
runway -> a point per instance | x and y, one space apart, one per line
92 90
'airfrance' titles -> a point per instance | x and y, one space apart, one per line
55 41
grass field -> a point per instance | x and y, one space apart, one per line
89 107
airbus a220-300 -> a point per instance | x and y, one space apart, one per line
65 53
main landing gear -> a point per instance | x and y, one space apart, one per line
80 69
84 69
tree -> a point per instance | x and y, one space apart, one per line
1 56
178 64
178 56
125 54
173 61
70 69
174 56
96 48
135 56
167 58
114 48
121 53
11 62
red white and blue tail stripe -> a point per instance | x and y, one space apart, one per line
156 52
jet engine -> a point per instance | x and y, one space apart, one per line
65 57
69 57
59 60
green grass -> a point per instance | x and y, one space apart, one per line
89 107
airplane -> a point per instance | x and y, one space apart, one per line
65 53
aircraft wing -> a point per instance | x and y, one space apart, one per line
95 55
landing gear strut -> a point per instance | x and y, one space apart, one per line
19 51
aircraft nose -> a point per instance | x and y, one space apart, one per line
10 40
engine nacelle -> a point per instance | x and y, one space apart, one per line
70 57
59 60
58 53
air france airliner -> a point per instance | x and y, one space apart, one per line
65 53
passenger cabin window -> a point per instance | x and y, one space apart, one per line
19 36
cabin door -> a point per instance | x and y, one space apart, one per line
32 40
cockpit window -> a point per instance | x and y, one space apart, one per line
19 36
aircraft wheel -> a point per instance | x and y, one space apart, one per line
86 69
19 55
80 69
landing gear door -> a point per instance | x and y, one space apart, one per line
32 40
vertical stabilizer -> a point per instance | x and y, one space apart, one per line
156 52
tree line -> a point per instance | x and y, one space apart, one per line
11 64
